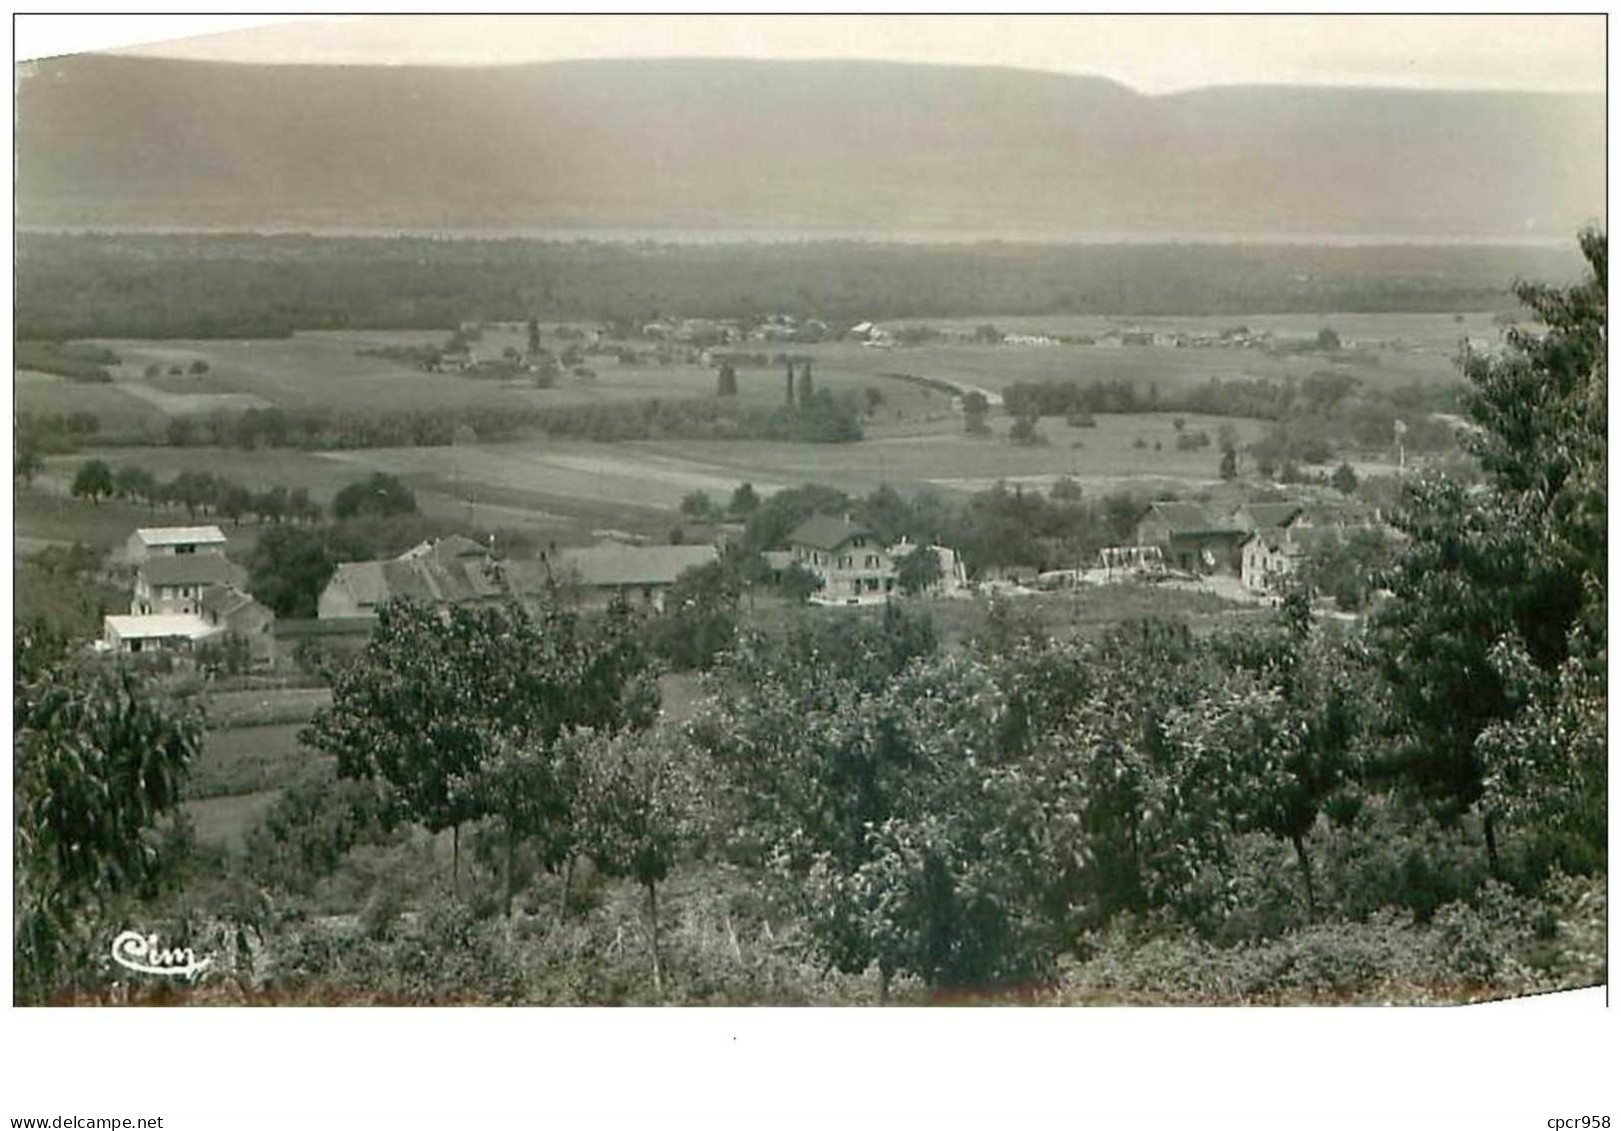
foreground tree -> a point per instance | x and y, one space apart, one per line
1498 618
461 709
640 808
99 760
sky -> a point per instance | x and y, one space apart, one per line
1151 54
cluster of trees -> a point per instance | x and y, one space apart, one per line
36 435
198 492
510 716
1000 526
77 361
828 419
245 286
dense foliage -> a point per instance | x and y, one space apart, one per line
98 761
244 286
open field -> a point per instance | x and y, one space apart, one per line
118 410
223 822
323 369
550 487
46 513
243 760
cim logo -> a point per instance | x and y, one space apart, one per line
141 953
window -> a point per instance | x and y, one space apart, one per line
185 548
872 561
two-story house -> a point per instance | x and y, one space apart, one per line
853 565
174 583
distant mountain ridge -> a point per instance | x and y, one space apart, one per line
837 146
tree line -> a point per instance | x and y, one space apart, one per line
244 286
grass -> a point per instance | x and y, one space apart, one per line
120 412
223 822
325 368
248 760
261 708
45 513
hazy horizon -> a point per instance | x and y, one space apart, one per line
1150 54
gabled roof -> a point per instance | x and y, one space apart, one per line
179 535
363 580
613 565
1272 537
188 569
451 569
1189 518
225 600
825 532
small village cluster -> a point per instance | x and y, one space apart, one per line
187 594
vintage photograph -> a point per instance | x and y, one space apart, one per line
812 510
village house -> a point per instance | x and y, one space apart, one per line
594 577
185 593
229 610
853 566
174 583
155 632
1190 538
173 541
442 572
1273 555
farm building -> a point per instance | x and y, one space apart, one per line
1190 538
1273 555
174 583
155 632
1269 557
594 577
232 611
446 571
853 566
170 541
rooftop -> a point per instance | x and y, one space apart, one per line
188 569
614 565
179 535
1189 518
825 532
160 626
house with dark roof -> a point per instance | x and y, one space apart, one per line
1272 555
231 611
1190 538
174 583
595 576
853 565
448 571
